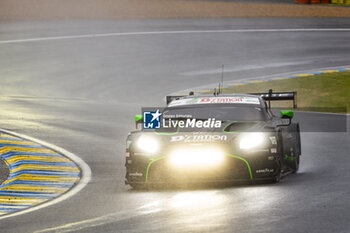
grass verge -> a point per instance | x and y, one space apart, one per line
326 92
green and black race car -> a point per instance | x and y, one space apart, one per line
220 138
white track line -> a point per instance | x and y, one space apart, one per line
84 180
171 32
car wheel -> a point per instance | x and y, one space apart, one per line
295 165
277 178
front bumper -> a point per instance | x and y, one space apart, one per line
258 165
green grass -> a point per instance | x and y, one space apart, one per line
327 92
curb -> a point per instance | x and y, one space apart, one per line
39 173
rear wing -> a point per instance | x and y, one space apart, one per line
278 96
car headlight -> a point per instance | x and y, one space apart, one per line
251 140
147 144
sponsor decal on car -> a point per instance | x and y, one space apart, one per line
216 100
138 174
265 171
273 140
198 138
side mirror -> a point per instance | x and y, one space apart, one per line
138 121
287 114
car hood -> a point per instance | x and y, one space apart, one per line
226 134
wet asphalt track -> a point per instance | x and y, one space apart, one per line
81 94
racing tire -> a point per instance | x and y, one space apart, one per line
278 177
297 149
274 180
295 165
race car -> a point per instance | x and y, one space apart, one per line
213 138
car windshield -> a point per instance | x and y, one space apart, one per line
219 112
